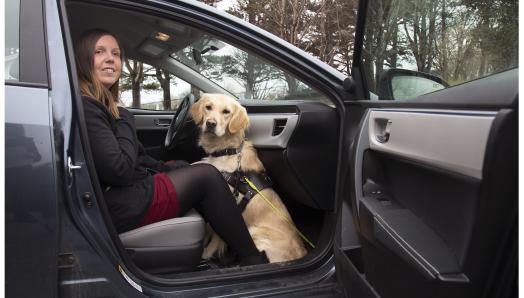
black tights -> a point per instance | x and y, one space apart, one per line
202 187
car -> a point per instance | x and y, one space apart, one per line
402 175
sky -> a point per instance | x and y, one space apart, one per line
225 4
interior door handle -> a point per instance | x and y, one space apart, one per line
383 128
162 122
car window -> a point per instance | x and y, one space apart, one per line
143 86
199 62
241 72
12 42
413 47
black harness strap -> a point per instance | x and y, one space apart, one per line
237 180
227 151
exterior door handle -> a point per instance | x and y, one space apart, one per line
383 128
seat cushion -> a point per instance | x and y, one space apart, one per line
167 246
180 231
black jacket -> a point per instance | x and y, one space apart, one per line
121 164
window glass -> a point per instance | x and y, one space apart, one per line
12 44
143 86
188 60
242 73
406 87
442 42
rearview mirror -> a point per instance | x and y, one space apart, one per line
399 84
197 55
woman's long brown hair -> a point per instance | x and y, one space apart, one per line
89 85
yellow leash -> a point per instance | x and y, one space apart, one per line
283 216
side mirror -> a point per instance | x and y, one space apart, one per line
405 84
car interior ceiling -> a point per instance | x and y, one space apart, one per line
311 208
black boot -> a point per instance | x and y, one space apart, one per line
257 259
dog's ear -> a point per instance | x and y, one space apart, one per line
239 120
197 112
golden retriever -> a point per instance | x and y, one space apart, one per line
223 122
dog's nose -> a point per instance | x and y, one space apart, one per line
211 124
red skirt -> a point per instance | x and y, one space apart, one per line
164 203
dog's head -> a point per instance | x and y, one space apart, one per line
219 114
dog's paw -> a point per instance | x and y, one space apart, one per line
216 246
207 253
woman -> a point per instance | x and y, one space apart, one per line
134 196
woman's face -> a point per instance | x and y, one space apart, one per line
107 63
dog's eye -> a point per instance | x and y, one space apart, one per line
226 111
208 107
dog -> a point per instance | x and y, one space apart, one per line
222 122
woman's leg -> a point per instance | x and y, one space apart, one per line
202 187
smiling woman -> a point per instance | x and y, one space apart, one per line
107 61
99 67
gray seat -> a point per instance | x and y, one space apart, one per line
167 246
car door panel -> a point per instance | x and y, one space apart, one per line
303 168
423 180
271 130
31 193
151 129
416 183
419 135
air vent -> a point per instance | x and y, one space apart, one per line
278 126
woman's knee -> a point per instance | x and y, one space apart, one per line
208 173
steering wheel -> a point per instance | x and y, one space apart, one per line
179 122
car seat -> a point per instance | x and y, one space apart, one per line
167 246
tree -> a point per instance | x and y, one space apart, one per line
476 38
497 33
381 32
287 19
247 69
457 39
324 28
210 2
134 78
164 78
332 35
420 30
455 47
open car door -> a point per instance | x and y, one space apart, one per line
429 198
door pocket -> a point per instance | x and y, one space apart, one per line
407 236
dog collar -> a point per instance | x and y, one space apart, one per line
227 151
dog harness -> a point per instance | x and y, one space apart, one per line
237 179
239 183
250 183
